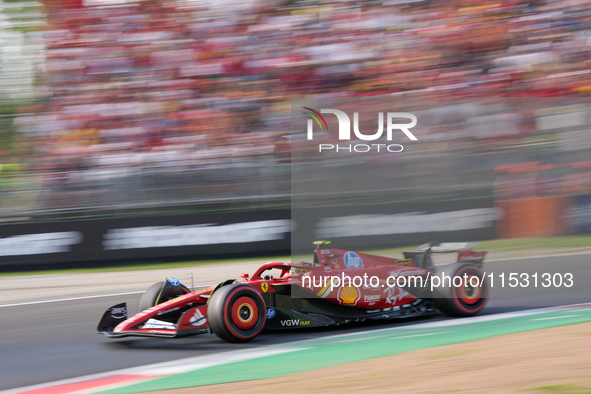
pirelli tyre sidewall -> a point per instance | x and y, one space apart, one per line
236 312
464 300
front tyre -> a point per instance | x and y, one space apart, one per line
236 312
161 292
468 293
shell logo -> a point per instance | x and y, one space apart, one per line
348 295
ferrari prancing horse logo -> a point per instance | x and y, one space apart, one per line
264 287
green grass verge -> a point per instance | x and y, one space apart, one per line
559 244
563 242
570 243
570 388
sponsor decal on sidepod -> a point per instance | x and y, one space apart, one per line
197 319
352 260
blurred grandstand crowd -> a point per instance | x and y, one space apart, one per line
188 85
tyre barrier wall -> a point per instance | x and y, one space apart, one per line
242 233
544 216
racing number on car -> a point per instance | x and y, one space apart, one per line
264 287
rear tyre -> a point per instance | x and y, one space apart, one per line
159 293
236 312
468 293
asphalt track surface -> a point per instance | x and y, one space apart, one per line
45 342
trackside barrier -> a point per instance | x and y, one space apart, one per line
242 233
535 217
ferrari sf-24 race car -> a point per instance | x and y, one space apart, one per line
282 295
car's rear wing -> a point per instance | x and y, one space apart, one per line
463 249
447 247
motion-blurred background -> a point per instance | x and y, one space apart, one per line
126 123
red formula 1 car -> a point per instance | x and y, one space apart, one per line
338 287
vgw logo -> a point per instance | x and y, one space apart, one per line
294 323
345 130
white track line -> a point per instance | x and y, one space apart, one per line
70 299
82 298
456 322
556 317
539 257
412 336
